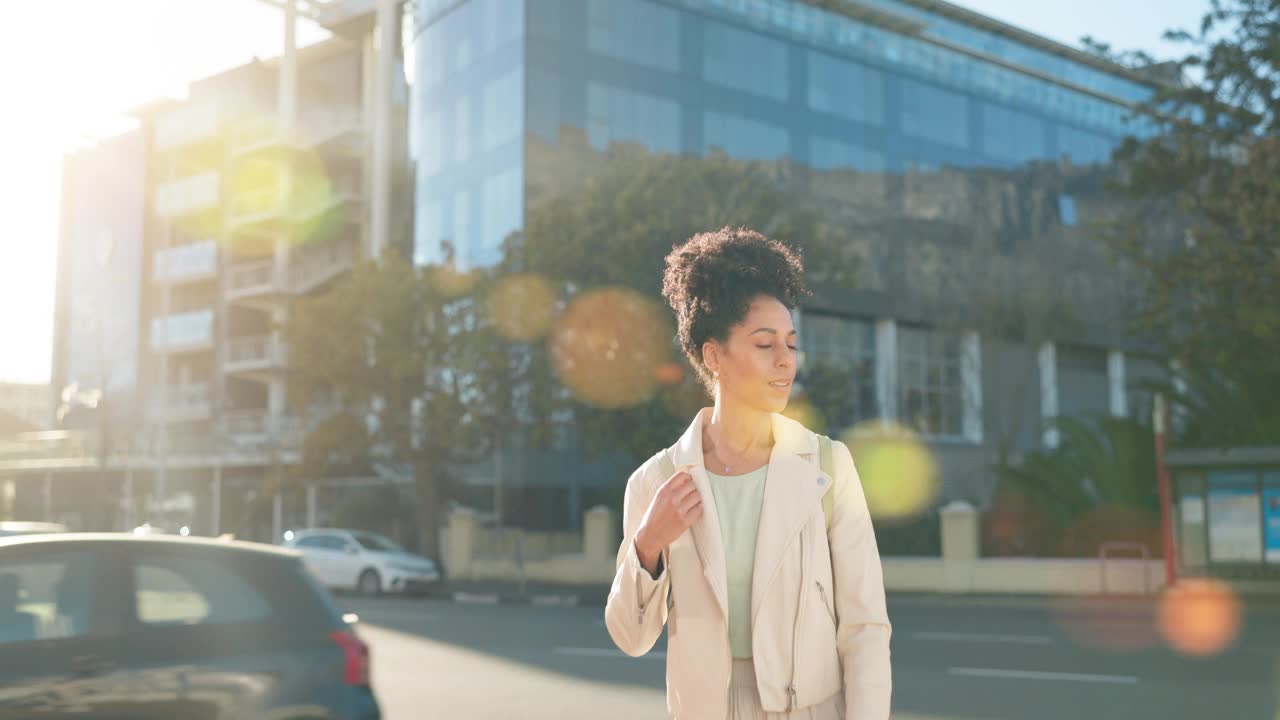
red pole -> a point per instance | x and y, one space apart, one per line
1166 494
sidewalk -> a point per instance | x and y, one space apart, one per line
496 592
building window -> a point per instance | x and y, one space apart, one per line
828 154
1011 135
501 214
1084 387
503 100
463 245
930 387
934 114
615 114
639 32
1067 210
847 89
1084 148
743 138
745 61
462 130
432 142
847 348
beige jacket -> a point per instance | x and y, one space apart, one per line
819 623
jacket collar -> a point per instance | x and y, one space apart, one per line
793 491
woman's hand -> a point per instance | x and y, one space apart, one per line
675 508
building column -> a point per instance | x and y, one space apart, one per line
887 369
971 385
215 502
1119 401
380 186
129 501
277 517
311 505
1048 358
47 492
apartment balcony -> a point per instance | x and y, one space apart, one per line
193 262
189 195
256 357
182 403
336 127
254 282
259 430
187 126
271 208
182 332
312 267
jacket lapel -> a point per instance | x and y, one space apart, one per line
794 484
706 531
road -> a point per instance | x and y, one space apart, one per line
954 659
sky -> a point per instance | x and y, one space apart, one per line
71 69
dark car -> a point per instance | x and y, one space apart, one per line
143 628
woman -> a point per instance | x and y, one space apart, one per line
774 606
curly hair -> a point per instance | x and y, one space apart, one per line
711 279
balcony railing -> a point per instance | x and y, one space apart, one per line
271 202
256 352
315 126
189 330
251 278
186 262
312 266
182 402
188 195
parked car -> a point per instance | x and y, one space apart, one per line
364 561
10 528
122 626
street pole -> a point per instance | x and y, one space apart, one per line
380 180
1166 494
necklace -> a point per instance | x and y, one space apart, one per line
710 446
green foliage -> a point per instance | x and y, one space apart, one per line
616 227
1099 484
1205 205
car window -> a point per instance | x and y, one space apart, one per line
373 541
314 541
46 597
194 591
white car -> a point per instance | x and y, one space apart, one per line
361 560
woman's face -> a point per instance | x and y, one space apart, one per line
758 364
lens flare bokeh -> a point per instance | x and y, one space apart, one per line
523 307
608 345
898 472
1199 617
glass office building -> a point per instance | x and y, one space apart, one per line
962 157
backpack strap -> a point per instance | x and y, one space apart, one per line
828 498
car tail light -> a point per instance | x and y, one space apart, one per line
356 654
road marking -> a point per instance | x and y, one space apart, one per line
1034 675
606 652
984 637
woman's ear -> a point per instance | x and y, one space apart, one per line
711 356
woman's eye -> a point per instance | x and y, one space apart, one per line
792 347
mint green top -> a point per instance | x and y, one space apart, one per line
738 499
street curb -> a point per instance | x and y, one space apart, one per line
474 598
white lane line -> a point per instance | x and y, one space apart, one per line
1034 675
606 652
984 637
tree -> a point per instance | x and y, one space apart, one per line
1210 179
612 226
1097 485
405 362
